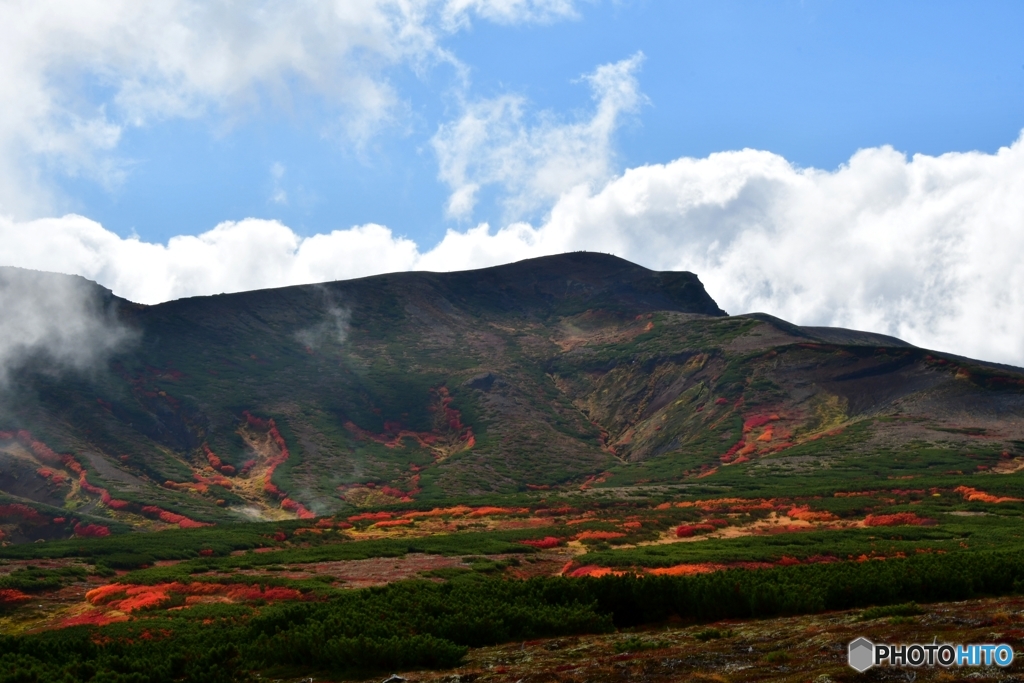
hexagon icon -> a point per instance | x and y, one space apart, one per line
862 654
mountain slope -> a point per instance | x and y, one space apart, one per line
559 372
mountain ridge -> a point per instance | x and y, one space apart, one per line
551 374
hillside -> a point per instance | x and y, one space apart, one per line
564 373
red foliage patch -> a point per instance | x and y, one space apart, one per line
182 521
18 510
755 421
731 453
12 596
93 617
296 507
38 448
371 516
273 463
544 543
598 535
689 530
55 476
91 530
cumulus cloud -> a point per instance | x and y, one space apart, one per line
928 249
492 143
62 320
232 257
74 74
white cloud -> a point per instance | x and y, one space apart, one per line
233 257
74 74
928 249
492 144
457 12
278 195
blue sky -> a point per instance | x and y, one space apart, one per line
812 81
856 163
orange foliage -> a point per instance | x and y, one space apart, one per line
805 514
632 525
487 511
974 495
898 519
600 571
143 600
392 522
686 569
589 570
128 598
689 530
103 594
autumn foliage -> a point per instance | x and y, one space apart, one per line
689 530
544 543
897 519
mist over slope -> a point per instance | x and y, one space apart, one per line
577 371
